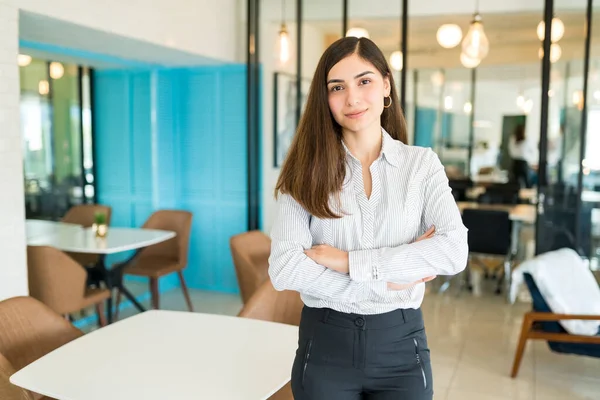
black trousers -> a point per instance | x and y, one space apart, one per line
368 357
521 173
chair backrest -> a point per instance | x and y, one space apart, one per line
84 214
250 252
30 330
8 391
177 221
268 304
459 188
506 193
489 231
55 279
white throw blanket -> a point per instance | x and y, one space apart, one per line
567 285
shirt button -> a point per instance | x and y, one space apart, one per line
360 322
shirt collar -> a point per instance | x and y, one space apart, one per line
388 149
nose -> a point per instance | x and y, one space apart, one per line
352 97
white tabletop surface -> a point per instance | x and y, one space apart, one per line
117 240
36 228
158 355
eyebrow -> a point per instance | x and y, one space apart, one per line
356 77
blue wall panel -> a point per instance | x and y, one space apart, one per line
191 155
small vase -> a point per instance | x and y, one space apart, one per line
100 230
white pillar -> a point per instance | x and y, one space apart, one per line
13 263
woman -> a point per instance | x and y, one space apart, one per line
353 200
521 152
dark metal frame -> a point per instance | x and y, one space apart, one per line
298 61
253 113
92 74
472 119
81 156
404 49
583 132
542 174
344 17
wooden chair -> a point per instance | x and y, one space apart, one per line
8 391
59 282
28 331
163 258
250 252
542 324
268 304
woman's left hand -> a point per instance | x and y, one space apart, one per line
329 257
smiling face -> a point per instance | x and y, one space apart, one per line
356 92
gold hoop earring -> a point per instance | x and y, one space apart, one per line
390 103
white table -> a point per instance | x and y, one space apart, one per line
159 355
36 228
117 240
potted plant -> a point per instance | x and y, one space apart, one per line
100 227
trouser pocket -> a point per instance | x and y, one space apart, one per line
420 362
305 360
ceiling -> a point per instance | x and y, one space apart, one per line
49 38
512 37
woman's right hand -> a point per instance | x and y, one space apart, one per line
402 286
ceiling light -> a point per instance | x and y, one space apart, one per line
449 35
557 30
358 32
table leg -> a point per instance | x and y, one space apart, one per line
131 298
117 279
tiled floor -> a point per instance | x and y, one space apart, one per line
472 342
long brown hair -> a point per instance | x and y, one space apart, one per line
315 166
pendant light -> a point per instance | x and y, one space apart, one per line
469 62
475 45
397 60
23 60
449 35
283 41
557 30
358 32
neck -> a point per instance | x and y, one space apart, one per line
364 145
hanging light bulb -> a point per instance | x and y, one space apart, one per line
449 35
476 45
283 45
557 30
397 60
448 102
577 97
437 79
56 70
43 87
469 62
555 52
358 32
468 107
23 60
520 101
528 106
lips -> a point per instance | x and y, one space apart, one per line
357 114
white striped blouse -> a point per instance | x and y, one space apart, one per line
410 193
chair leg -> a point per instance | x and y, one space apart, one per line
185 291
118 303
154 292
100 313
507 277
525 329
